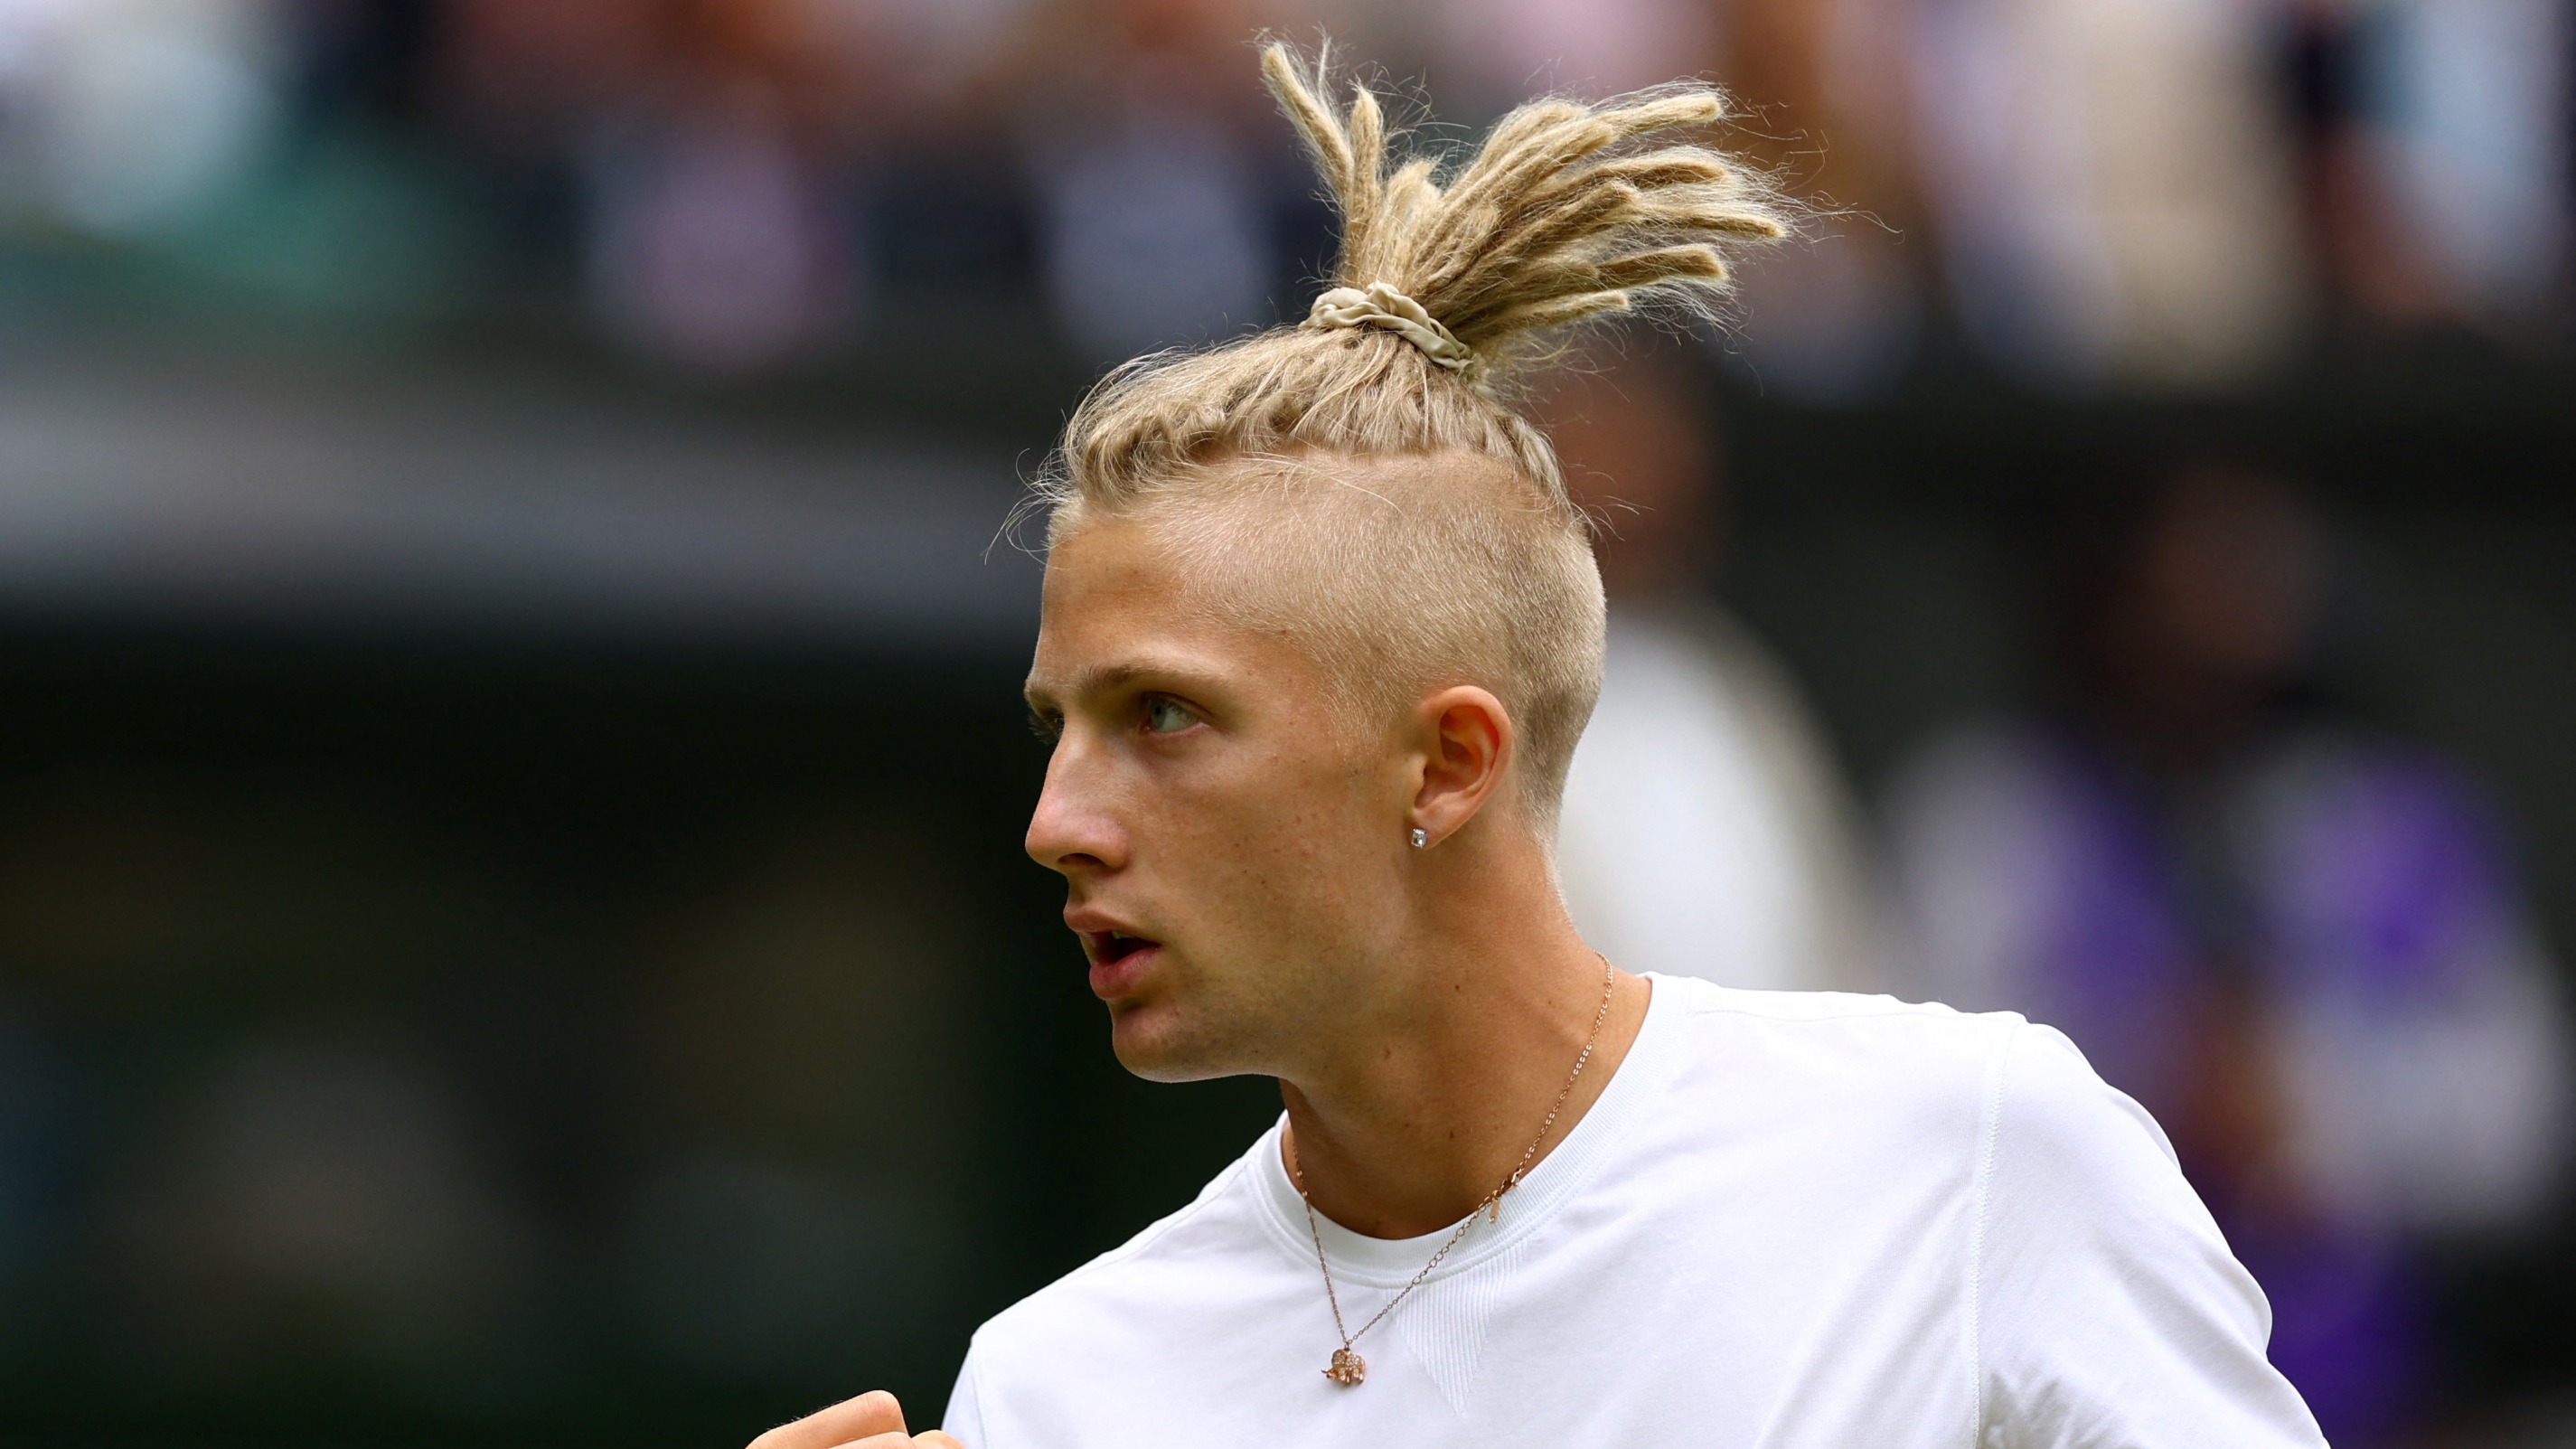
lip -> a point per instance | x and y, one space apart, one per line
1118 979
1117 967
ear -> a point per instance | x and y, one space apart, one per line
1468 743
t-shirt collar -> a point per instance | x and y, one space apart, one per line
1392 1262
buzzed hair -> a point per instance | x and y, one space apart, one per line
1363 483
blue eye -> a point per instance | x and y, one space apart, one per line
1165 716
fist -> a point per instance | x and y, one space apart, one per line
870 1421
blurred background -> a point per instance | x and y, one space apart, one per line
512 924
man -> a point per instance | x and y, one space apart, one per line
1321 629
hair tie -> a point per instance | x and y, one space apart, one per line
1383 306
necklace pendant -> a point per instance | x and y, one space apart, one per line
1348 1368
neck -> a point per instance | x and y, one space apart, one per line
1434 1088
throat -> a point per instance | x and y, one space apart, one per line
1420 1143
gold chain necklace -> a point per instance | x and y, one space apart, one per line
1347 1367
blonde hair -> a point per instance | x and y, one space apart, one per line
1362 481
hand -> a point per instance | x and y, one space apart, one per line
870 1421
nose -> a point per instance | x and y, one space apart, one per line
1075 828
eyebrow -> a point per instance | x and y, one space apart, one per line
1110 677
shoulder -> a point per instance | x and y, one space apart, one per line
1838 1033
1861 1076
2058 1110
2106 1307
1919 1070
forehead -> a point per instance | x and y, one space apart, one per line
1119 604
1307 564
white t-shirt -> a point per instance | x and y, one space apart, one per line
1792 1219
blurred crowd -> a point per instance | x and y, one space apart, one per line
2160 195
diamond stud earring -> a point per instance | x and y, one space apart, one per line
1421 837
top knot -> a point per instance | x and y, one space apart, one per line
1561 215
1379 305
1567 211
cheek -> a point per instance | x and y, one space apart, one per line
1289 849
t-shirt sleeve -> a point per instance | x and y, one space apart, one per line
964 1421
2108 1311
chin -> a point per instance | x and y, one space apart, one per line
1160 1044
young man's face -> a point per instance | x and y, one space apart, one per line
1231 856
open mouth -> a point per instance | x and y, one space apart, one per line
1119 962
1111 947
